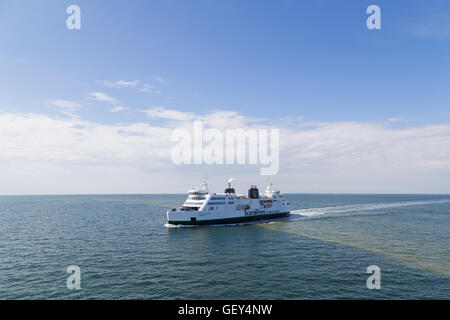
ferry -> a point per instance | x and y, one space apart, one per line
204 208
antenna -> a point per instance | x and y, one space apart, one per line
229 182
204 185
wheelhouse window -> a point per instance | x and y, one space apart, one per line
196 197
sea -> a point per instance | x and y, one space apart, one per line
124 249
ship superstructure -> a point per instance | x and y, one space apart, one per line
202 207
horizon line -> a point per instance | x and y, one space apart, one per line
155 194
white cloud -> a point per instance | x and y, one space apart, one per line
65 104
119 83
315 157
100 96
66 107
397 119
149 89
224 119
367 147
168 114
220 119
118 108
32 137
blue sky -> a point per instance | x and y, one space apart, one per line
311 61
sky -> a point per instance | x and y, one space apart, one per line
92 110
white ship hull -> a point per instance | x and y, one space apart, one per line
203 208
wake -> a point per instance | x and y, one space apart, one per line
360 207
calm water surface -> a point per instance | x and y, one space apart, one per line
321 252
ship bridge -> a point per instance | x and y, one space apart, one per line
196 197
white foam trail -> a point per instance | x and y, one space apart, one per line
175 226
313 212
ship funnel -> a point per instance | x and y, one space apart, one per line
229 189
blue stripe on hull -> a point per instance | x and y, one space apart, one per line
233 220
